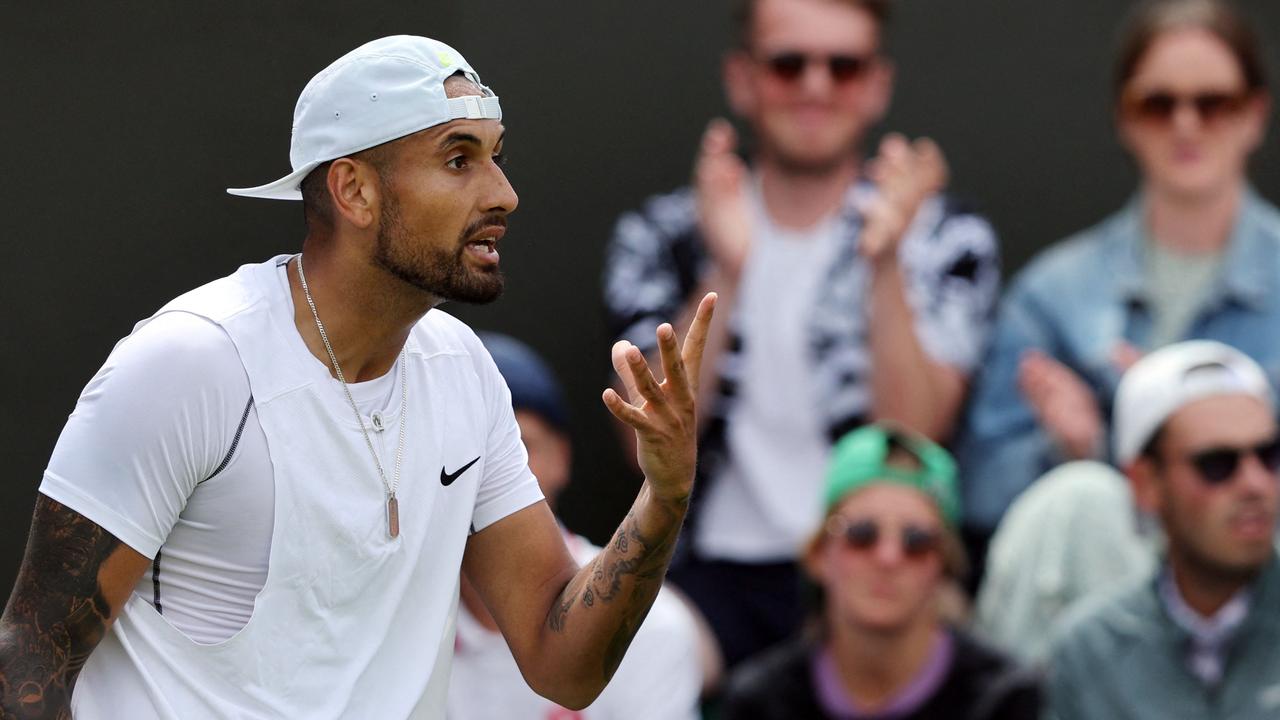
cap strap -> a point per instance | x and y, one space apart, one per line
473 107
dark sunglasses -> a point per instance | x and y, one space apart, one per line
1160 106
790 66
1218 465
864 535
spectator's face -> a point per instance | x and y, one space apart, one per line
550 457
1223 528
880 560
1187 118
811 83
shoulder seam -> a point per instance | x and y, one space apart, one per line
235 442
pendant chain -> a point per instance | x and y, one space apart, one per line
392 504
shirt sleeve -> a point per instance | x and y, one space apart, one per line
1002 448
650 267
507 485
156 419
952 267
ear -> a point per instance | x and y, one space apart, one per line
1257 115
880 94
738 88
355 190
1145 481
811 559
1124 130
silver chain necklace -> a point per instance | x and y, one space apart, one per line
393 506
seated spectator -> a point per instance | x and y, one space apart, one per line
837 308
1195 430
1195 254
664 670
881 557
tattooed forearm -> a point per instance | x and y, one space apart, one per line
56 615
628 573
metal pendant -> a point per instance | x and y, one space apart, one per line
393 516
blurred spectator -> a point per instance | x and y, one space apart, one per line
850 293
1074 532
1195 254
886 550
1196 433
664 670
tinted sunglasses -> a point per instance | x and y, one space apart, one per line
1218 465
791 65
1160 106
917 543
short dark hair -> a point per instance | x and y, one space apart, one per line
1153 18
744 15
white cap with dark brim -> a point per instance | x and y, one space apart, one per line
383 90
1172 377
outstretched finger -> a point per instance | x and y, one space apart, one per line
673 363
618 355
695 340
646 384
623 410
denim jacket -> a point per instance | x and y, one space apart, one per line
1077 302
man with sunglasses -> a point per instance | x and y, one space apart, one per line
855 294
1196 434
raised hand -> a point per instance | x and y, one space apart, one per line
664 414
906 174
724 217
1063 403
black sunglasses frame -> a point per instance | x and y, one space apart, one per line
1218 465
790 65
1210 105
865 535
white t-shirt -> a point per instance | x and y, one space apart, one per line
765 499
166 451
205 508
659 678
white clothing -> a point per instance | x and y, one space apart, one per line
1072 534
762 504
659 678
349 622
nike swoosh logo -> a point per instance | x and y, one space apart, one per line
447 478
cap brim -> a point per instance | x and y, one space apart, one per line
286 188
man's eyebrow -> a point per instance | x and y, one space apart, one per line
459 137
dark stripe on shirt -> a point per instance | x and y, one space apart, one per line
155 582
235 442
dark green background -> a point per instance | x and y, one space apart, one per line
123 124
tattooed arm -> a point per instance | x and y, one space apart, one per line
74 579
568 628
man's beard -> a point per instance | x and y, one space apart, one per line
439 271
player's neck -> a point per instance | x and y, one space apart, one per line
367 321
800 200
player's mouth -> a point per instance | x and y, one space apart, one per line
483 247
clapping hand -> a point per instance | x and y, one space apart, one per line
1064 405
724 218
905 173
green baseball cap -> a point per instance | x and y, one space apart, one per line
861 457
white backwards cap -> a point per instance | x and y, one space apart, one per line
382 90
1163 382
